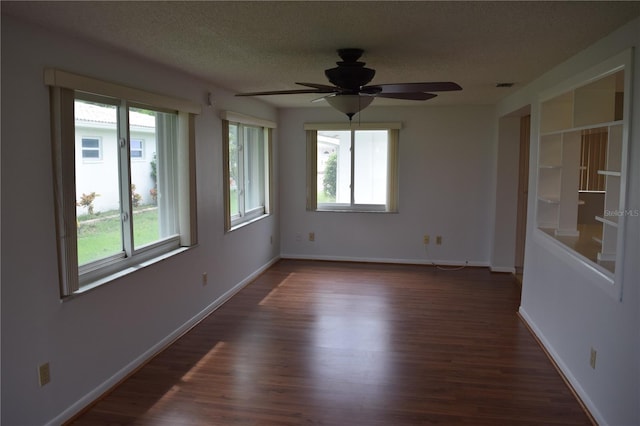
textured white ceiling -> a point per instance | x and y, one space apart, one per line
256 46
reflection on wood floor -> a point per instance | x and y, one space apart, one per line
328 343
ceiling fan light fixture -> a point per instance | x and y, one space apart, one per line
349 104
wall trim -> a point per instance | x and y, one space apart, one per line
503 269
574 385
432 262
100 391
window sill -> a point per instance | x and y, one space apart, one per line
248 222
588 269
124 272
340 210
578 246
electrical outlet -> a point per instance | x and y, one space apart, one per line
205 278
271 239
312 236
592 358
298 237
425 239
439 240
44 374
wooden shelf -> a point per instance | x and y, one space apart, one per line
608 173
554 200
550 166
585 127
608 221
549 200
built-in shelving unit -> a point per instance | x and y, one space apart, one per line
564 120
612 174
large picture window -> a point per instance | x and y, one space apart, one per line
582 166
352 169
247 148
116 214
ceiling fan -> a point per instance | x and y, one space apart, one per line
351 93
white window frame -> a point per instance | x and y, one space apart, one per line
391 204
99 149
64 88
266 126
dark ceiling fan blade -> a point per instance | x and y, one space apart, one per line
320 86
370 90
413 96
435 86
324 98
287 92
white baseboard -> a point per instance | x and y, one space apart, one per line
438 262
564 369
96 393
503 269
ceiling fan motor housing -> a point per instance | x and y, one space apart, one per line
350 74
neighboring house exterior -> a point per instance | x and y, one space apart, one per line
97 155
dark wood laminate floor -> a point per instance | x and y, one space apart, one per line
324 343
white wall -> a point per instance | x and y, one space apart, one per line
446 173
562 299
503 249
93 340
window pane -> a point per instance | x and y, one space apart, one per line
233 170
136 148
253 168
97 192
334 166
370 163
152 182
91 148
88 143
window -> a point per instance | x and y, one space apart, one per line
114 216
582 167
91 149
136 149
247 168
352 169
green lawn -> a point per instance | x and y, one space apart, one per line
323 197
100 236
233 202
